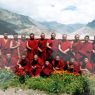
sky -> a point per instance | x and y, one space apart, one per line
61 11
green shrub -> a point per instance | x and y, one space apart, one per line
66 83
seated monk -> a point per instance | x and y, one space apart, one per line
36 66
85 66
24 64
47 69
10 62
58 64
73 66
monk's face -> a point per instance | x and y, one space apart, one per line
86 39
8 56
64 37
72 60
23 37
53 36
15 37
23 57
57 58
5 35
35 57
77 37
42 36
86 60
47 62
32 36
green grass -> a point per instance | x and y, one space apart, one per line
57 84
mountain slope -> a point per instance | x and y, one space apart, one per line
62 28
7 27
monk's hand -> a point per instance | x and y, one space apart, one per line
18 44
88 51
93 51
40 50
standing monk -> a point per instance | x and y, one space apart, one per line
15 47
23 45
93 56
52 47
42 47
76 46
32 47
86 48
64 48
4 45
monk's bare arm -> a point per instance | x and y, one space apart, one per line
28 46
48 45
13 47
40 49
59 47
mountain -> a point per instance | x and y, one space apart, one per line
91 24
88 29
7 27
62 28
12 22
16 23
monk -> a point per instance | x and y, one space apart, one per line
93 55
58 64
42 47
86 48
47 69
36 66
23 64
65 48
15 47
9 62
76 46
32 47
23 45
1 62
85 66
52 47
4 45
73 66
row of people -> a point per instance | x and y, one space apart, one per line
38 67
47 49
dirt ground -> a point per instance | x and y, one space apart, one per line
12 91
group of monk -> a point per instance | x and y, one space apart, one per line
40 57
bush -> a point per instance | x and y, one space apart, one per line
56 83
69 84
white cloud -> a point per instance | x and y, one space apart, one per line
53 10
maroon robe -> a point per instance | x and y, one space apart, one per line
22 47
47 69
42 45
15 52
64 46
10 63
86 49
36 67
5 46
53 43
58 64
33 44
76 46
87 65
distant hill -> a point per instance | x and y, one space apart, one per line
62 28
7 27
16 23
91 24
